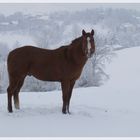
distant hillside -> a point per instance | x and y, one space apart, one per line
115 29
112 26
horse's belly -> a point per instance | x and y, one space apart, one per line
55 72
47 78
47 74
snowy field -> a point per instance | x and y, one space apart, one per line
109 110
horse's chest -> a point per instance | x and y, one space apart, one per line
73 72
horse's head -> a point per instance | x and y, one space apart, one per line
88 45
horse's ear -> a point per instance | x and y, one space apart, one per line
83 32
92 32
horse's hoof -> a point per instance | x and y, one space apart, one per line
64 112
10 111
69 113
18 108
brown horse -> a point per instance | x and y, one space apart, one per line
64 64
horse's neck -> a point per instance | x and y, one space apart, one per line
75 54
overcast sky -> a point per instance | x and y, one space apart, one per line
39 8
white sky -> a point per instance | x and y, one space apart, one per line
37 8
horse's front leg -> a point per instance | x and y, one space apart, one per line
65 95
72 82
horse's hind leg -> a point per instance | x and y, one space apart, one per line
10 90
9 96
16 94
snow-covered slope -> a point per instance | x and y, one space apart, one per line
110 110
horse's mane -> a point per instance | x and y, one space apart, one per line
76 41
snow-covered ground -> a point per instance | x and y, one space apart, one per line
110 110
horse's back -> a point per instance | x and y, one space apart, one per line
24 53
